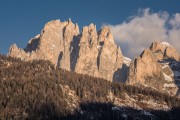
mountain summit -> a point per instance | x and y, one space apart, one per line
95 53
90 52
157 67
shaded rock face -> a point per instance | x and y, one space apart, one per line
171 75
90 52
153 68
123 72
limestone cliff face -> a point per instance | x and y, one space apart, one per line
110 58
145 70
153 68
163 50
98 55
90 52
95 53
52 44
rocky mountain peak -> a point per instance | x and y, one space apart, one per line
90 52
144 67
164 50
153 69
97 55
52 25
13 48
106 35
89 29
14 51
147 55
172 53
89 35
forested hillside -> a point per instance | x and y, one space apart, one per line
36 90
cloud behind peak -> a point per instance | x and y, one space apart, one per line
142 29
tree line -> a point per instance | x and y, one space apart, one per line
33 90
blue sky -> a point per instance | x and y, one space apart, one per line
21 20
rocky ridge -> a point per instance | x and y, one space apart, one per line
157 67
89 52
95 53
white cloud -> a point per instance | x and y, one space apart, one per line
139 32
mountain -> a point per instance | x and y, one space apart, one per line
157 67
63 73
95 53
89 52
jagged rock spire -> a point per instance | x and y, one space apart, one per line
153 68
90 52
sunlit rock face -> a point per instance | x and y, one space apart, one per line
89 52
98 54
145 69
52 44
157 68
95 53
163 50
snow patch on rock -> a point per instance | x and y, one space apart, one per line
165 43
126 61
